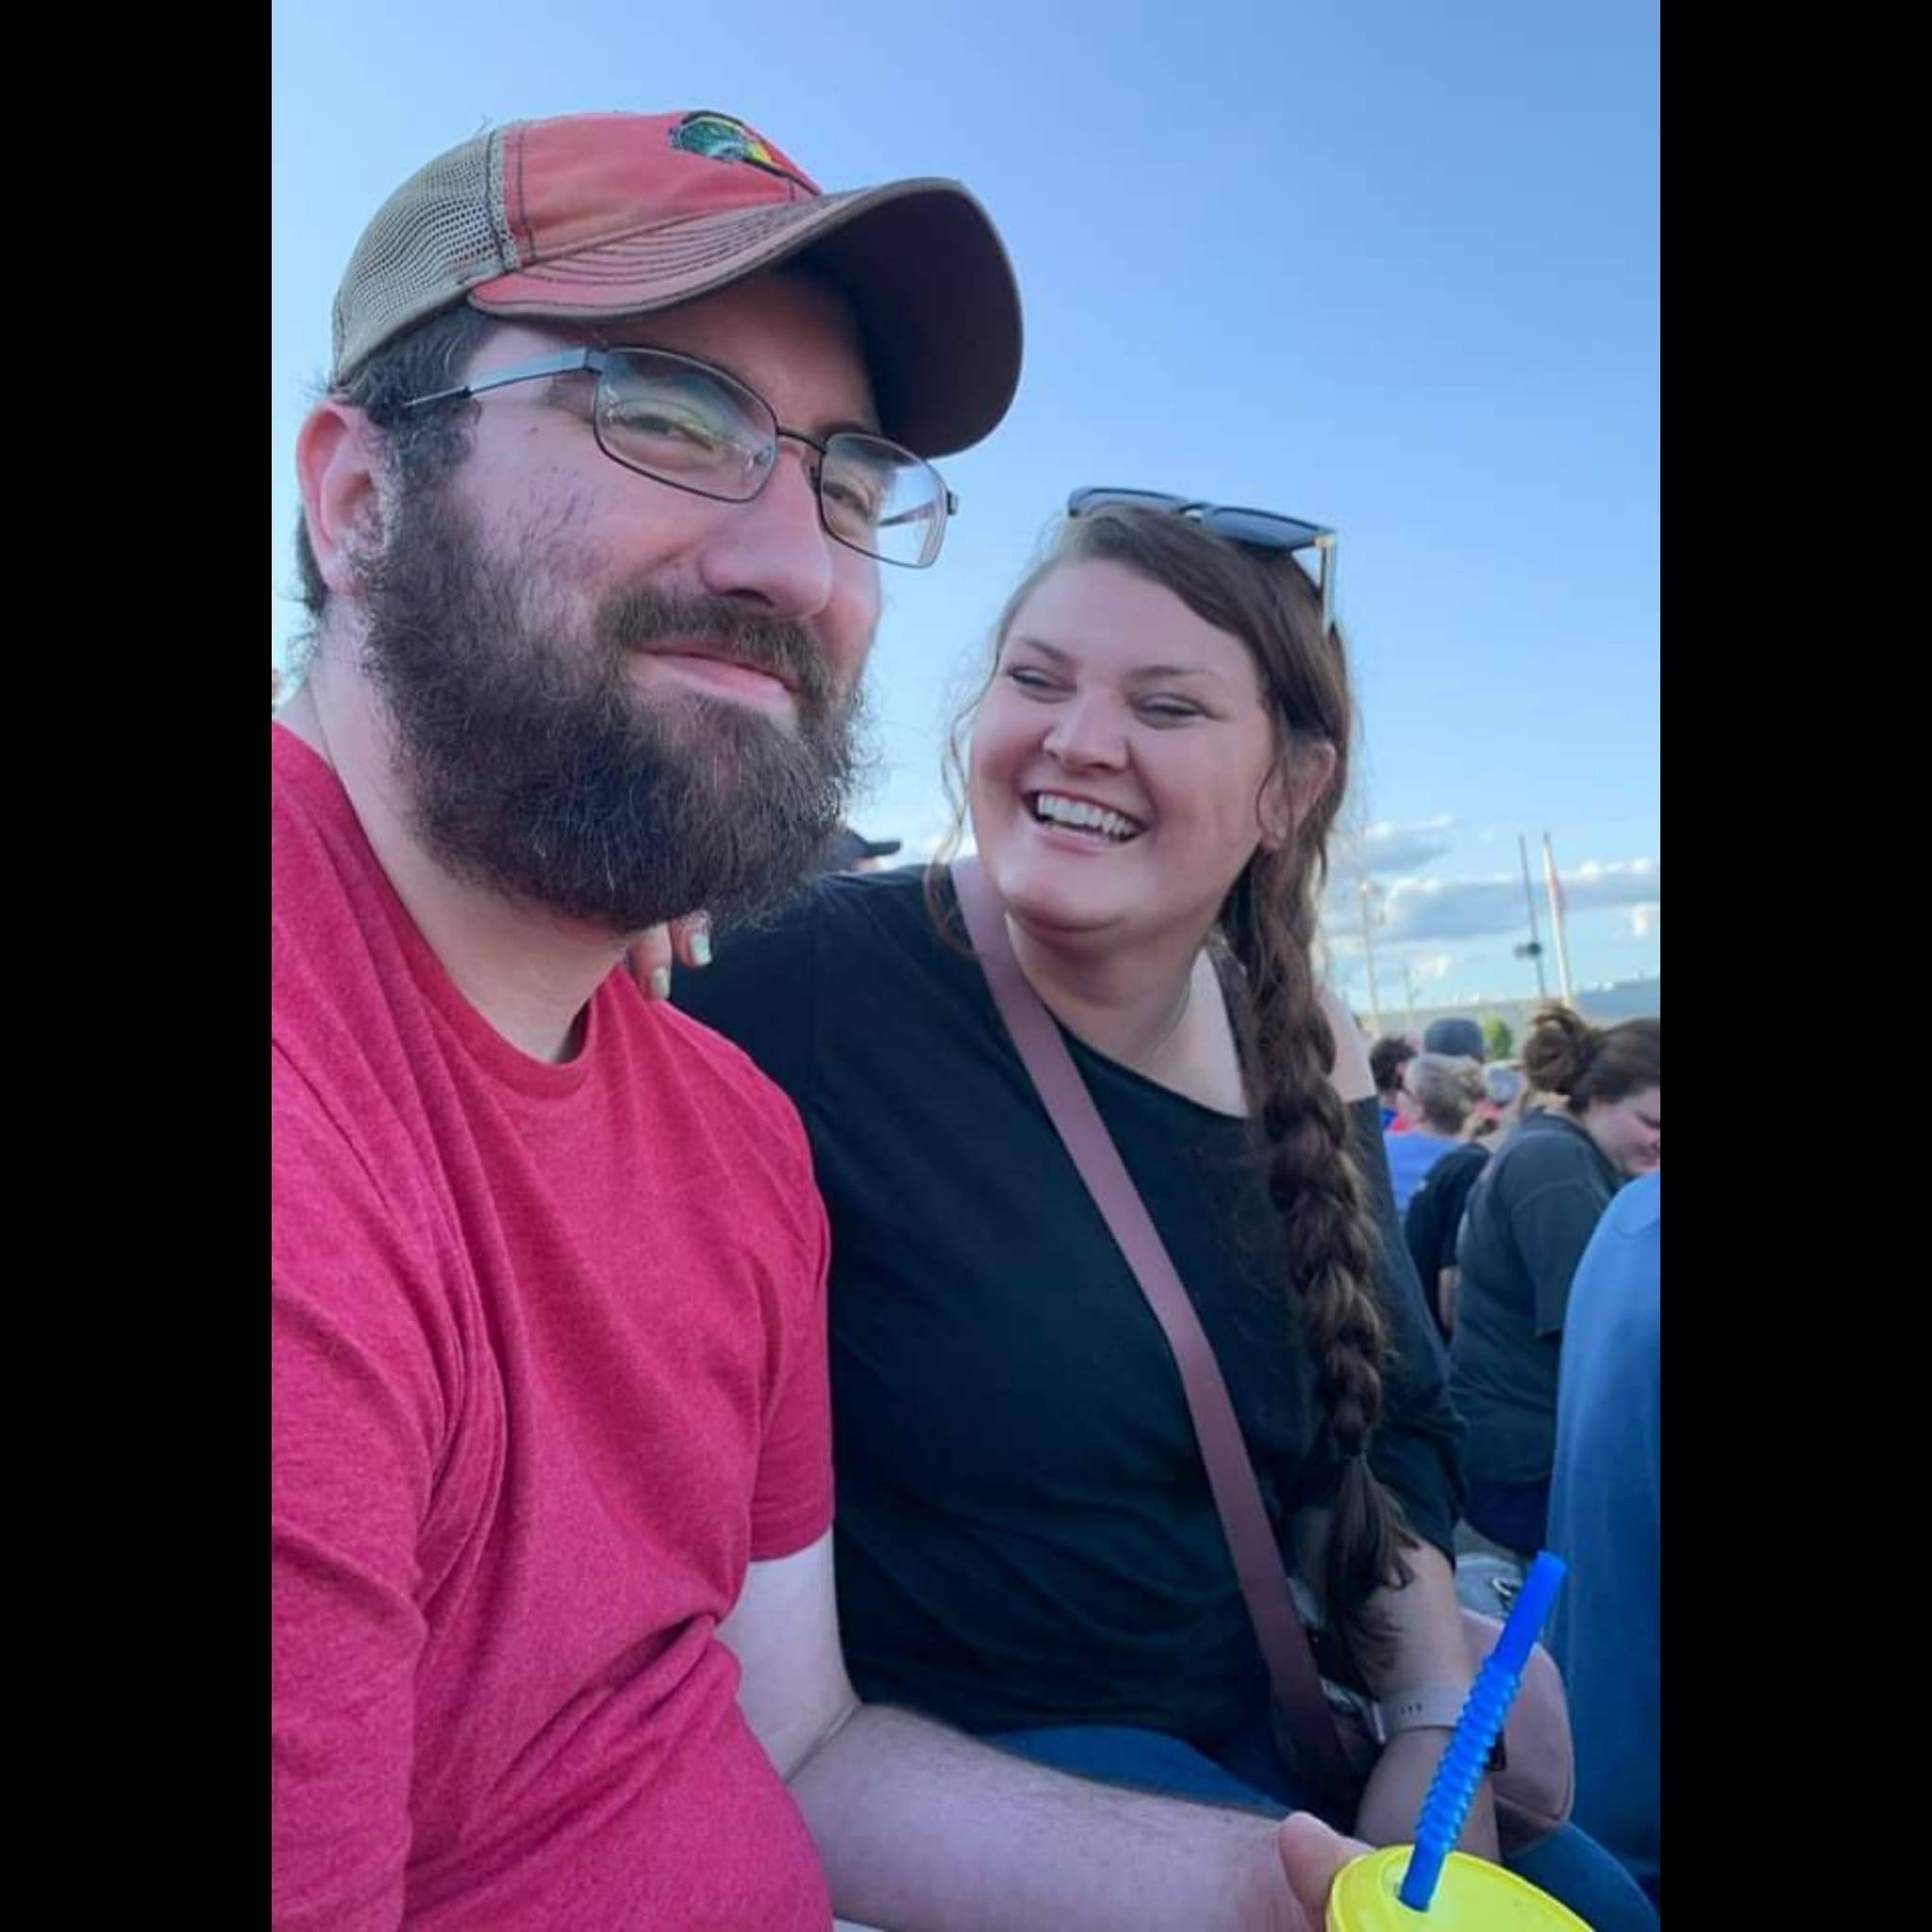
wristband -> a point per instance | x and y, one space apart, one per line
1428 1708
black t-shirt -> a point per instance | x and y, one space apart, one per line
1025 1530
1435 1217
1530 1216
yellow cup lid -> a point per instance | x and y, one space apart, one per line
1471 1897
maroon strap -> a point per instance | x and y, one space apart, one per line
1293 1673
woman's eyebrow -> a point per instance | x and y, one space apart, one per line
1061 657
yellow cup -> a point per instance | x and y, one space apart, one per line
1471 1897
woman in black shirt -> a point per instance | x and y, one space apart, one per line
1027 1542
1530 1216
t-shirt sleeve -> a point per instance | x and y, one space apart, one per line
1421 1232
355 1420
1552 1226
1417 1451
791 1503
1435 1213
761 991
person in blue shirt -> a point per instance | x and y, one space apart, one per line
1445 1091
1603 1521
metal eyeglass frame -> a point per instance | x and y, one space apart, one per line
1259 529
595 362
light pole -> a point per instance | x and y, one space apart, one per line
1366 890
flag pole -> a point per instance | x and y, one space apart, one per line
1558 918
1535 947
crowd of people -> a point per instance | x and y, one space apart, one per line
1512 1220
724 1473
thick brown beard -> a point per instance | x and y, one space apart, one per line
536 769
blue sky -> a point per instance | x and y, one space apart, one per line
1388 265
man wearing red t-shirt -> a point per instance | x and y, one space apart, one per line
623 417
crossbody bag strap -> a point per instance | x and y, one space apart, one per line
1293 1673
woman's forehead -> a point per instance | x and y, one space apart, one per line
1096 611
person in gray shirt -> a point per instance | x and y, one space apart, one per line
1530 1216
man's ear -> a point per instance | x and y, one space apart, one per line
1294 787
338 464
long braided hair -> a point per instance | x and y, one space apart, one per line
1267 926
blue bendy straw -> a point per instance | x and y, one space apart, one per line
1452 1790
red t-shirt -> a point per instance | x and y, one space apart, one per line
549 1369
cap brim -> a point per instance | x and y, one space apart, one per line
921 260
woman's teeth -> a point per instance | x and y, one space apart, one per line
1050 808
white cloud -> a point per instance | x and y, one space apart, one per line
1643 920
1386 847
1623 882
1434 908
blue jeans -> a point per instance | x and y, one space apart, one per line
1568 1864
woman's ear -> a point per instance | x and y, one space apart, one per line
1294 787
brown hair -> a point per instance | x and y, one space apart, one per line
424 445
1267 925
1564 1054
1387 1059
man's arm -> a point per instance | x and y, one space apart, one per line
352 1464
925 1830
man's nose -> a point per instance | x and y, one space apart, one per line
774 549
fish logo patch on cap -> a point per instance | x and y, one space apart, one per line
719 138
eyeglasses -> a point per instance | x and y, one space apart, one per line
698 429
1259 529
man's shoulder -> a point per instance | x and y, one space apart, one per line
699 1111
325 889
342 991
720 1067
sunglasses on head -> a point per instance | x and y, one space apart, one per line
1258 529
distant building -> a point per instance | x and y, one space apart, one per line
1624 999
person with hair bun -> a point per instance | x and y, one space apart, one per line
1530 1215
1028 1547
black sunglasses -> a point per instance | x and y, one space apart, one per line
1259 529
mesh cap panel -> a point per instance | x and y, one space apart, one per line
439 234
